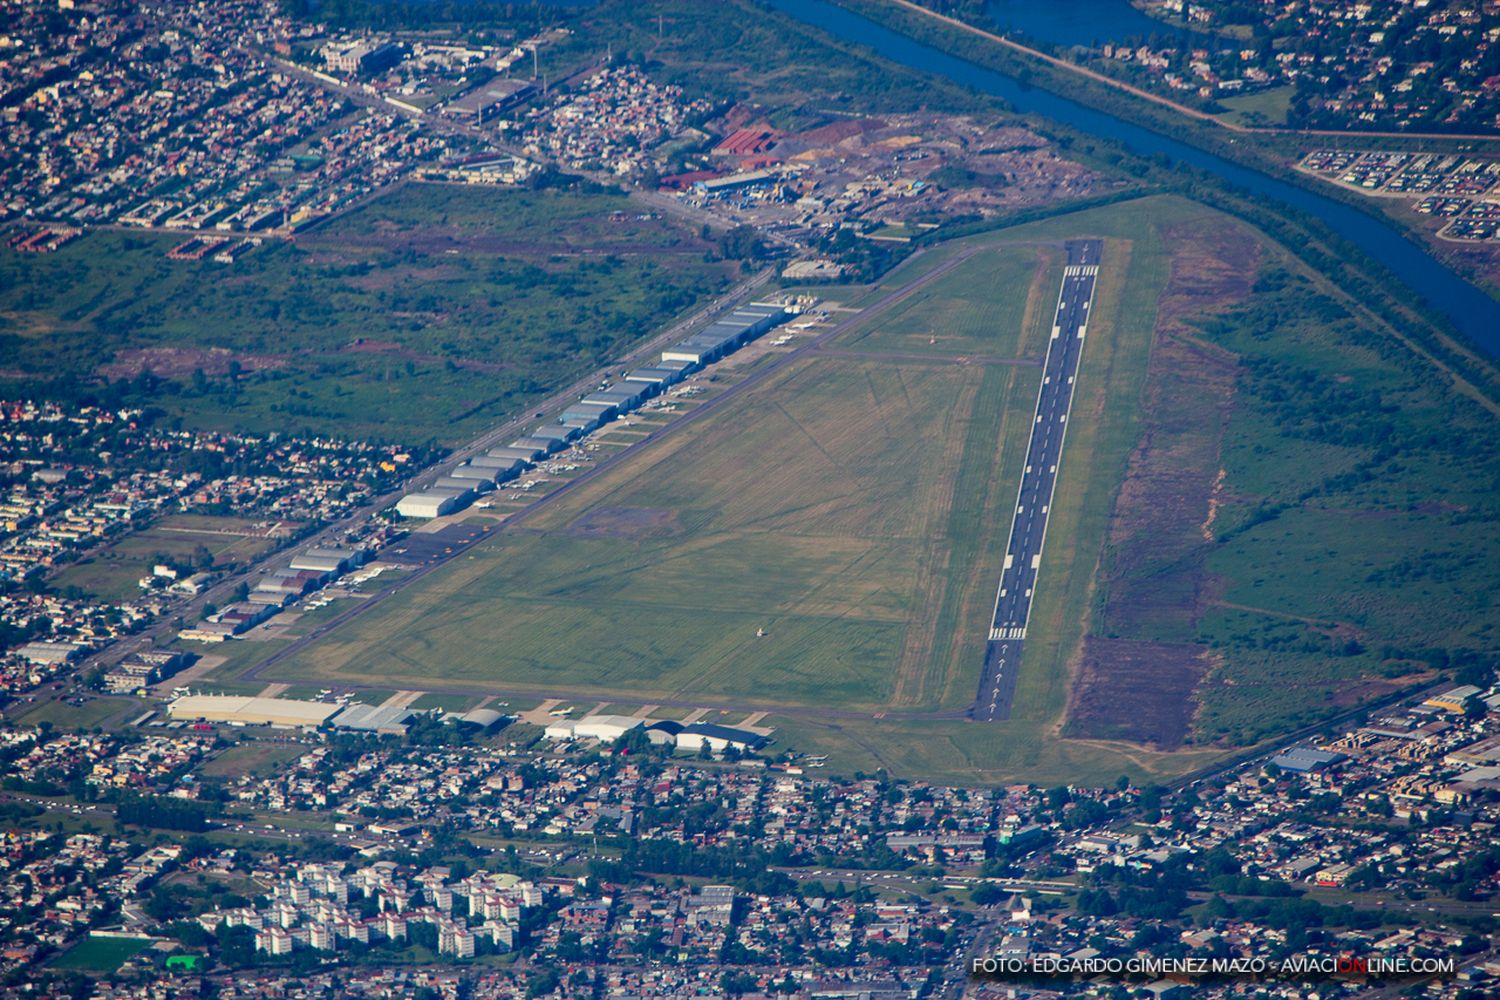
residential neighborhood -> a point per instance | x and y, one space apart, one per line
545 562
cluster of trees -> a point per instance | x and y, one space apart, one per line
163 813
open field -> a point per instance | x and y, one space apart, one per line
424 315
653 580
100 955
1307 519
1263 108
93 712
1245 521
111 573
972 311
257 757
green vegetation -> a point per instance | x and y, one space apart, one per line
93 712
654 579
876 478
1263 108
425 315
741 50
252 757
162 813
973 310
101 954
111 573
1360 541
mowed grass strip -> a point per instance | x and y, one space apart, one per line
976 309
805 509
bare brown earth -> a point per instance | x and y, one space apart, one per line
1141 666
1124 687
171 362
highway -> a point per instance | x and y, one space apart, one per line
1028 526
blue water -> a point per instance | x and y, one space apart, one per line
1443 291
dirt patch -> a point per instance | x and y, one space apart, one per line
1160 524
1136 691
172 362
839 131
626 522
1142 667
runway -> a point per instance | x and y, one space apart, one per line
1028 526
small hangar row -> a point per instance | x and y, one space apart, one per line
458 487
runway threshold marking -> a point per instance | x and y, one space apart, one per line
1028 527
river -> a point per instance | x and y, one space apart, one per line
1440 288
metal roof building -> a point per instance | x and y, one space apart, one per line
554 433
493 463
484 718
471 473
518 454
324 560
251 711
718 737
657 378
583 425
389 721
460 483
597 412
1304 759
532 442
605 728
624 396
431 503
691 353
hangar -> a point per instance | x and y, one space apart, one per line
718 738
284 712
597 412
534 443
604 728
459 483
517 454
374 719
430 503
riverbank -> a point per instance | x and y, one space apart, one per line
1112 125
1273 152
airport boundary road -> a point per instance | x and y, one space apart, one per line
1028 527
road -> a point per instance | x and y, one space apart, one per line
1028 526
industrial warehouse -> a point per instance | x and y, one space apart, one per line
459 486
292 713
392 720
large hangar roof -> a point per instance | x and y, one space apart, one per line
239 708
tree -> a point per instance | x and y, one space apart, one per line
987 895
